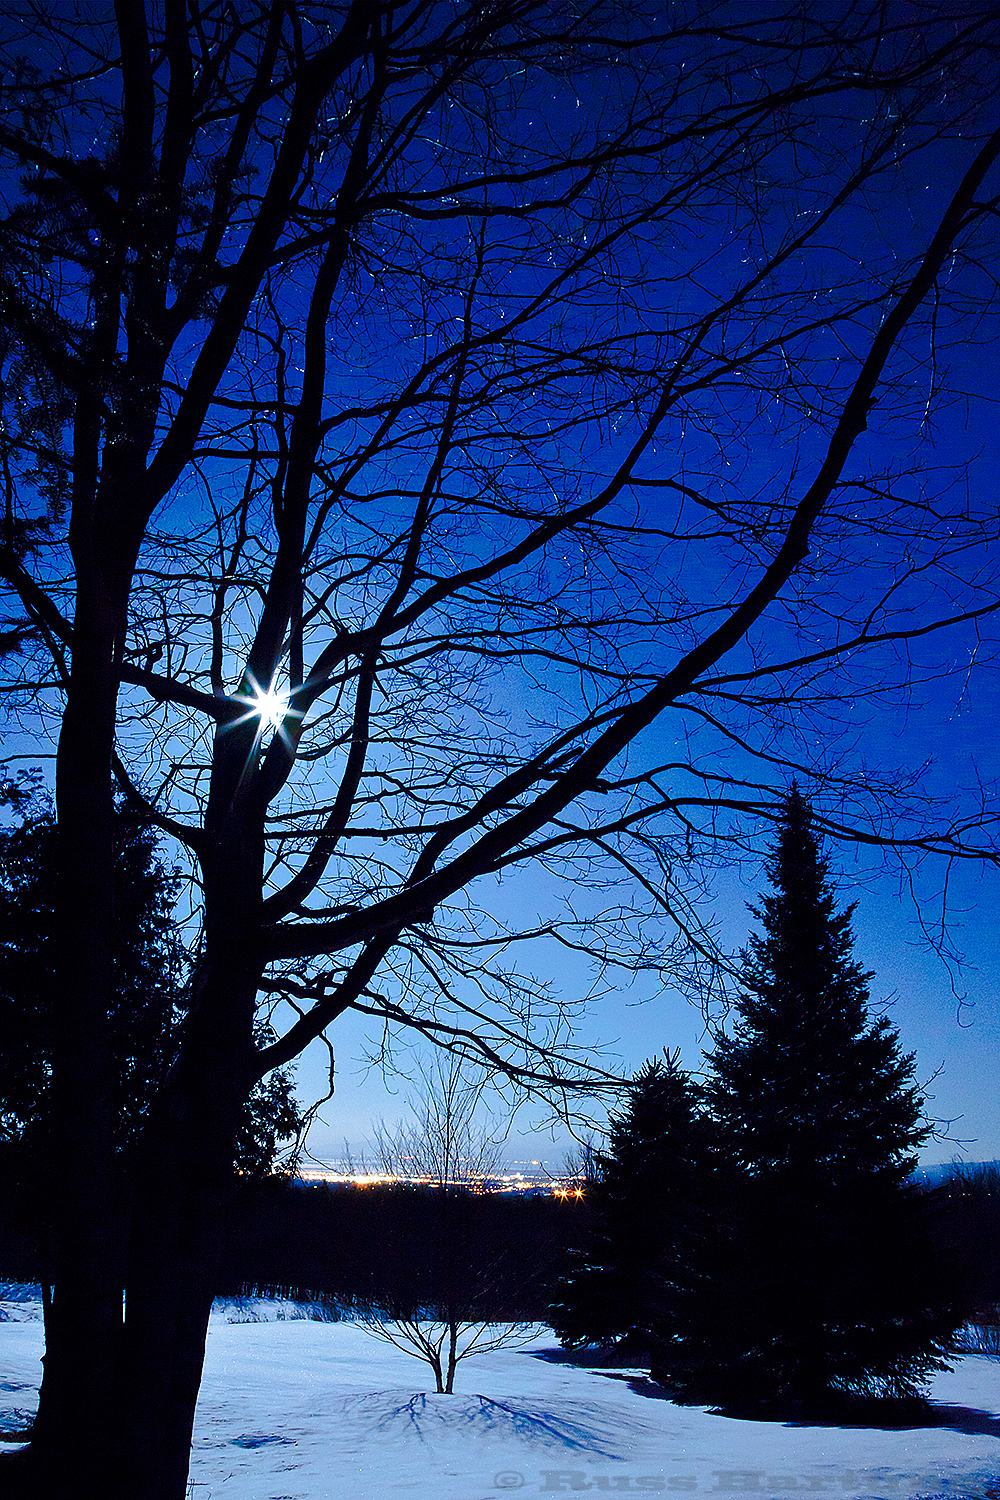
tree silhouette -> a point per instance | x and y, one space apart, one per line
404 408
821 1285
625 1286
150 971
150 993
442 1143
443 1147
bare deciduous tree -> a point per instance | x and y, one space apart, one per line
444 1147
429 453
443 1143
442 1338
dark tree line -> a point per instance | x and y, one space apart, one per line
967 1220
757 1235
490 1256
380 1246
352 1245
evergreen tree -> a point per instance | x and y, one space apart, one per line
821 1287
150 982
623 1288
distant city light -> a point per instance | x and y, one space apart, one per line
510 1181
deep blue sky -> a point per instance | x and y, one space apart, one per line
947 1012
948 1022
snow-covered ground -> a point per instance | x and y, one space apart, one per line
293 1409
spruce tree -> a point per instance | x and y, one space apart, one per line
624 1286
821 1288
151 974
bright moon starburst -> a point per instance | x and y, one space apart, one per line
270 707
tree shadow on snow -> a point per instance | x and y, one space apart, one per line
598 1360
964 1419
642 1385
884 1416
578 1426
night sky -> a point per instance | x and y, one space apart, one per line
941 985
946 1011
951 1021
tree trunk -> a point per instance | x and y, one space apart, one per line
70 1450
181 1208
138 1385
169 1298
452 1355
184 1189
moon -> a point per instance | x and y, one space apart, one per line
271 707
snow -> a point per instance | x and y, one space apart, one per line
296 1409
